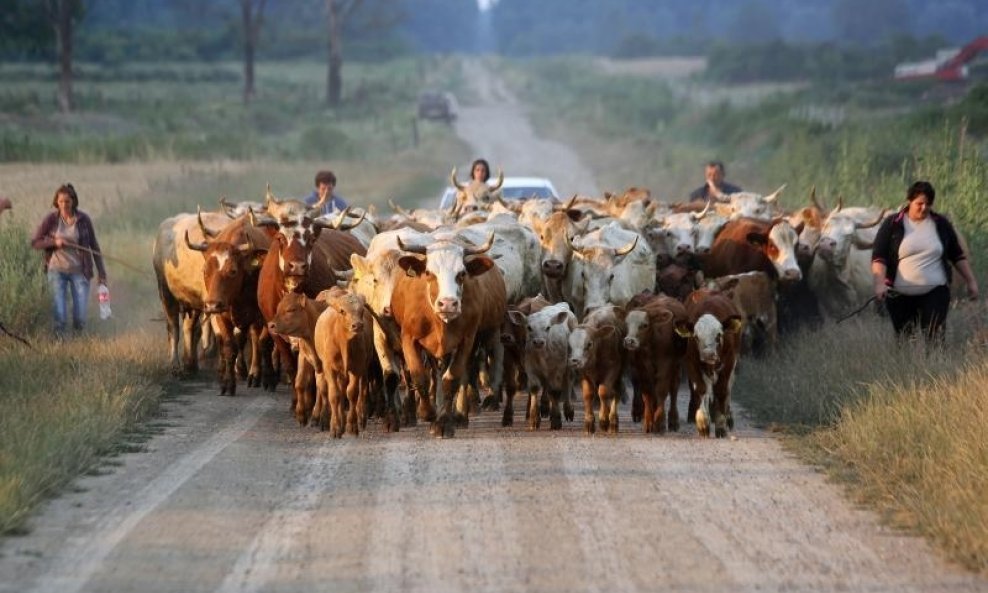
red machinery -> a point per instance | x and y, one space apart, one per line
949 65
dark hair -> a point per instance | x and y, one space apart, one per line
924 188
68 190
718 164
487 168
325 177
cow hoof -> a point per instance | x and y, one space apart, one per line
555 422
508 418
674 423
613 428
462 420
730 421
720 432
568 412
443 428
589 426
491 403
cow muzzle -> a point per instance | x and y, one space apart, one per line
214 307
553 268
631 343
447 308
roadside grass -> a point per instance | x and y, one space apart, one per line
902 427
65 406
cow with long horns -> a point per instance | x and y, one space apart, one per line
451 295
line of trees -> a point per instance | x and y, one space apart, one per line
115 31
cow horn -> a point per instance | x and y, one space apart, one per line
772 197
814 201
227 207
398 209
343 274
202 226
868 225
269 197
456 184
500 180
248 246
840 203
480 248
198 246
627 248
702 213
259 221
420 249
341 226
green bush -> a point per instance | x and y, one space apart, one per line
23 304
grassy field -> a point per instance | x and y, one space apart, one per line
900 425
65 406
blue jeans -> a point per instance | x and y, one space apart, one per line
60 283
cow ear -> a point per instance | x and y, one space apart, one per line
517 318
734 324
478 264
413 264
799 227
683 329
257 258
606 331
757 239
560 317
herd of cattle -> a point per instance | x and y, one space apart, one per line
402 316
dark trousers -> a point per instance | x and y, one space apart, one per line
925 312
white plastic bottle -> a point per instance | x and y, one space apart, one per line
104 301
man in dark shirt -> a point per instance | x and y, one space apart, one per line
715 187
325 184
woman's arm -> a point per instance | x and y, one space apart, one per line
878 270
44 235
964 267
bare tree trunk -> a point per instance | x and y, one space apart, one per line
337 12
63 33
334 76
252 15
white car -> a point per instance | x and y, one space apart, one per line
513 188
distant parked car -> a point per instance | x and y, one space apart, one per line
513 188
438 105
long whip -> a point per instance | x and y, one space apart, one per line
108 257
15 336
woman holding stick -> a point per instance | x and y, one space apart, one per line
70 249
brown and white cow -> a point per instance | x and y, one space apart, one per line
656 353
514 337
711 357
750 245
452 295
232 263
345 347
595 356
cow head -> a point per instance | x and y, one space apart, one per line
779 246
476 195
238 209
226 267
597 273
640 325
548 328
352 311
752 205
293 317
709 332
840 233
446 264
555 235
679 232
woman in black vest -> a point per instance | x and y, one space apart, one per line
911 261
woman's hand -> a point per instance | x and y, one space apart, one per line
972 291
59 242
881 289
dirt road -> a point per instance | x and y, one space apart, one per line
233 496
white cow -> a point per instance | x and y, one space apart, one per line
516 252
610 265
750 205
840 274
